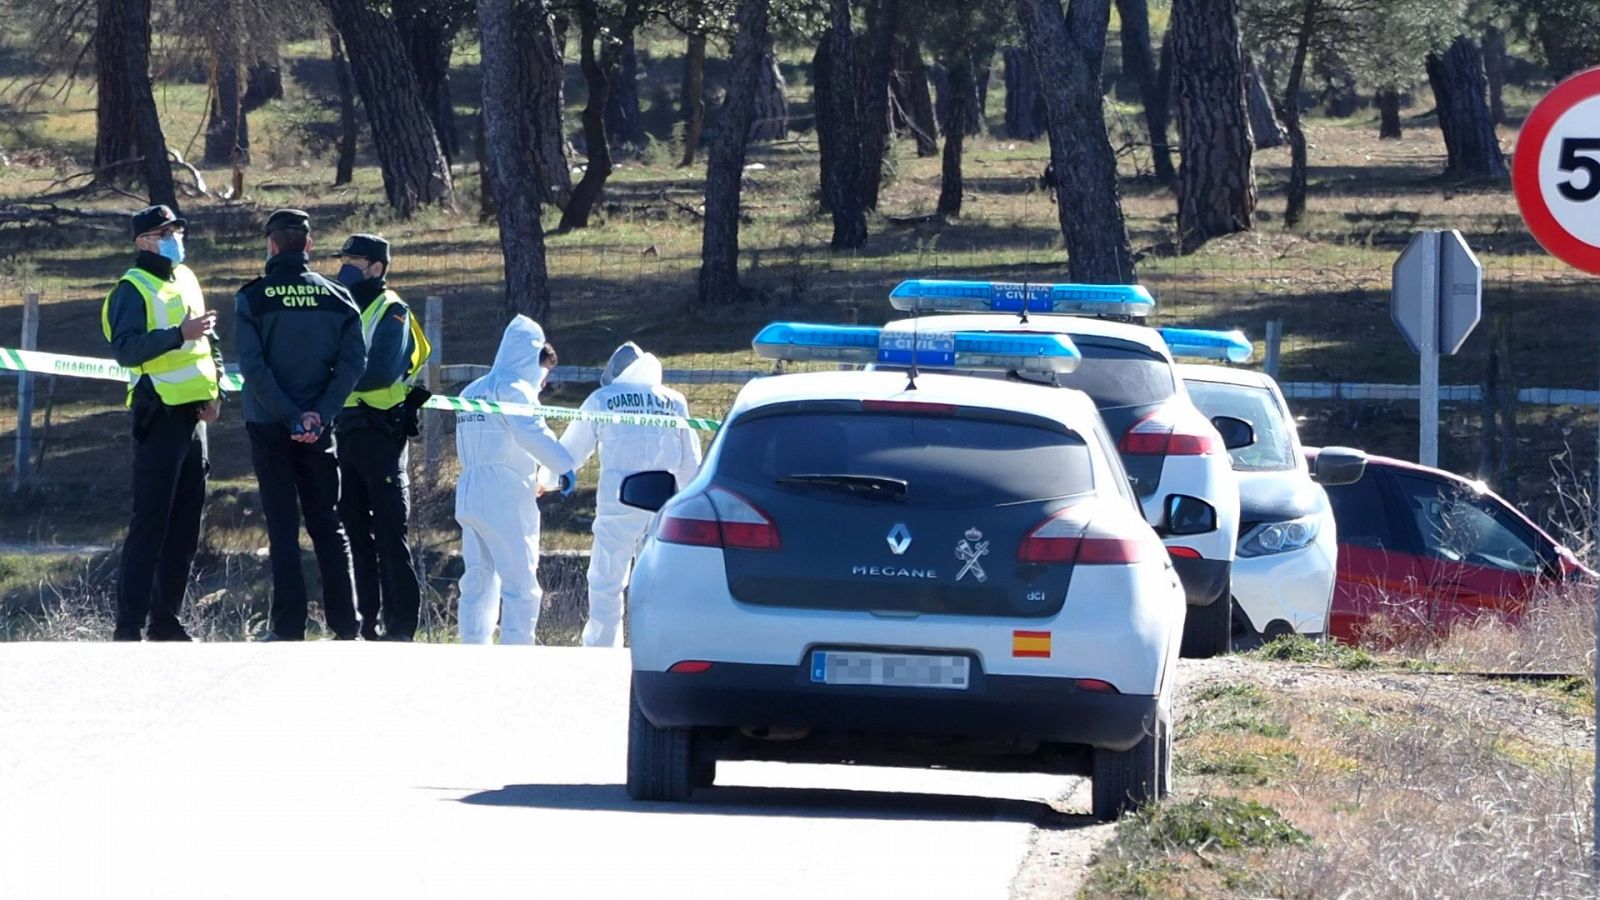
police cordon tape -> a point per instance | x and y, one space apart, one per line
40 363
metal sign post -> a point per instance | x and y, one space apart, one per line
1436 301
1556 176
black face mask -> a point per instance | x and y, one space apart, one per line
351 275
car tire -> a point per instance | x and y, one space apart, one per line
660 760
705 773
1208 630
1127 780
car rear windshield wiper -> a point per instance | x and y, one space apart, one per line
864 485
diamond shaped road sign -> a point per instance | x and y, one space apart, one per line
1437 267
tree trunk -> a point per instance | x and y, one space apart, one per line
116 134
1067 54
348 129
945 85
1494 69
264 83
839 105
1295 208
770 120
487 208
1459 90
694 97
1216 182
1264 125
1024 106
883 18
719 248
597 145
510 167
820 87
1388 103
1139 61
539 80
414 169
962 92
429 39
915 97
227 129
1340 99
624 122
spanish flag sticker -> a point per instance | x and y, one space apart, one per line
1034 644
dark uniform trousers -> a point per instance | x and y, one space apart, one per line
300 478
375 503
169 492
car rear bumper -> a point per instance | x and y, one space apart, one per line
1204 580
1015 707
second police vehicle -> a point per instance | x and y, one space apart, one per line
903 567
1176 458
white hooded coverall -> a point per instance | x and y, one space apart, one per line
630 383
500 459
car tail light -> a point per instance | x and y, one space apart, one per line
1067 539
1158 434
1183 552
690 667
718 518
1097 686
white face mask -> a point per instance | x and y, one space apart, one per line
544 378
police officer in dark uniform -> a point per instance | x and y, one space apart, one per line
373 428
301 353
156 321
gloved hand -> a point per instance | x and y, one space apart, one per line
569 482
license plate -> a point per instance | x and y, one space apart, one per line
890 669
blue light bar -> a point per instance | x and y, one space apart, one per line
932 295
923 347
1199 343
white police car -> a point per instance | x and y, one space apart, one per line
882 568
1284 576
1174 455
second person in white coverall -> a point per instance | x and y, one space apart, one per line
630 383
495 496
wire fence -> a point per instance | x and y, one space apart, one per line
1539 334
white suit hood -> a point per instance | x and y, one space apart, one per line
518 355
631 365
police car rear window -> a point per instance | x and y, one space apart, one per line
944 460
1120 374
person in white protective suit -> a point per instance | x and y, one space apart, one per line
495 497
630 383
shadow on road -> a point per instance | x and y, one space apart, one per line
821 803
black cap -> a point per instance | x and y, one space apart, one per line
366 246
288 220
152 217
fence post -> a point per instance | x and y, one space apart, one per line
21 472
1274 345
433 423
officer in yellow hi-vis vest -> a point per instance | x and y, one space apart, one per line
373 427
158 325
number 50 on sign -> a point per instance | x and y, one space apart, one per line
1556 172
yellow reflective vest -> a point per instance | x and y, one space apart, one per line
189 373
393 395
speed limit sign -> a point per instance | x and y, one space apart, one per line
1556 171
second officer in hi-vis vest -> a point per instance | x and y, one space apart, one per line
373 427
158 325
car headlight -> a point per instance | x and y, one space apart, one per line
1279 537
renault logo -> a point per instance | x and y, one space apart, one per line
899 538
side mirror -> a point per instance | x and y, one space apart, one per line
1188 515
1339 465
1235 433
648 490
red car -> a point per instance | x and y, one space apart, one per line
1422 550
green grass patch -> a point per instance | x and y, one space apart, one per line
1301 649
1156 847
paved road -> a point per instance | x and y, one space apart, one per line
374 771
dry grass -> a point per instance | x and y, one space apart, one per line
1406 786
